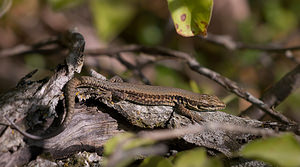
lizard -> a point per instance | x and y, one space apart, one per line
182 100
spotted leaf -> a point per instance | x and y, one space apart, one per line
191 17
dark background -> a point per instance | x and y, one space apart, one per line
147 22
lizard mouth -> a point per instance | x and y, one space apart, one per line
211 108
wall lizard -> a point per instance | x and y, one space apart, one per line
182 100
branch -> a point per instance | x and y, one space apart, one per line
232 87
32 98
228 43
134 68
35 48
166 134
48 46
277 93
5 6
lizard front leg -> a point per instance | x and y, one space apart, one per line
180 109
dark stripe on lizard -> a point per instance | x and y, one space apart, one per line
183 100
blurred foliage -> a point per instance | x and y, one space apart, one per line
195 158
272 21
124 142
194 86
167 76
283 150
291 103
63 4
150 34
148 22
111 17
5 5
156 161
35 61
112 144
280 20
249 57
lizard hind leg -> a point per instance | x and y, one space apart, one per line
110 96
116 78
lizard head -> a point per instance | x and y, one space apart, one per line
204 102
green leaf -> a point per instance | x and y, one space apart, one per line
194 86
62 4
191 17
170 77
283 150
124 141
279 18
112 143
249 57
213 162
195 158
150 34
156 161
111 16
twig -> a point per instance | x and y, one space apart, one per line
28 135
232 87
95 74
194 65
134 68
4 124
120 155
23 80
228 43
266 48
35 48
277 93
166 134
221 40
5 6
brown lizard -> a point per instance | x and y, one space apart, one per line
182 100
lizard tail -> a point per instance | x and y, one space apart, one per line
70 93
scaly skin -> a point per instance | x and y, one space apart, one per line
183 100
145 95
